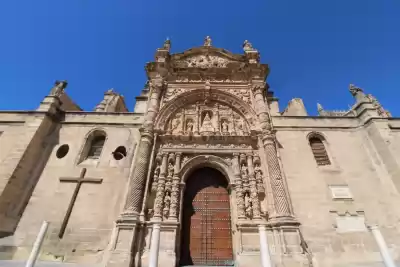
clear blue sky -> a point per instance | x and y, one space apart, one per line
314 48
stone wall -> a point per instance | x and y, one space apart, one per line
356 165
97 206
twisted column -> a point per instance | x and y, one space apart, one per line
173 212
281 199
159 201
282 205
138 177
135 193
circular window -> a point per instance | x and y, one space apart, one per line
119 153
62 151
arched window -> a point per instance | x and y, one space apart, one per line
96 146
319 151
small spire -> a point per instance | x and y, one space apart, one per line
207 41
319 107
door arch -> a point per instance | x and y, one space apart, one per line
206 236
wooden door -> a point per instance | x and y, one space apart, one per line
208 222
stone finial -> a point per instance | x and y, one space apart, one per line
207 41
247 46
354 89
319 107
167 44
58 89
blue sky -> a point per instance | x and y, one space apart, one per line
314 48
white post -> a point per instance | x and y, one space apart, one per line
154 246
264 248
36 246
387 259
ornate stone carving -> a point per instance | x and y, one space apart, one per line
58 89
379 108
171 93
189 126
207 119
243 94
170 170
247 46
354 90
205 61
155 177
259 178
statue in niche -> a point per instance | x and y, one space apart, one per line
157 170
189 126
240 130
167 203
175 123
170 170
248 205
207 125
224 127
243 170
257 171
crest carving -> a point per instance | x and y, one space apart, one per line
205 61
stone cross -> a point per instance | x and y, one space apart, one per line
79 181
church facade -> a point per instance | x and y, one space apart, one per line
206 171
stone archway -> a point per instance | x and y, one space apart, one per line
206 236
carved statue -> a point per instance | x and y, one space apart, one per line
167 203
157 170
247 46
224 127
58 89
207 41
189 126
248 205
354 89
167 44
243 170
175 124
207 125
170 169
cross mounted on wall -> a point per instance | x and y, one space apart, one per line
79 181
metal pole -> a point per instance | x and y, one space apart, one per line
36 246
387 259
264 248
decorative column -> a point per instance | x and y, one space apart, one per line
154 245
138 177
173 212
238 186
159 201
281 200
387 259
264 248
253 188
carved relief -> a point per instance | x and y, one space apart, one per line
243 94
205 61
207 119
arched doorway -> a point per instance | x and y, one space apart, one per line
206 237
